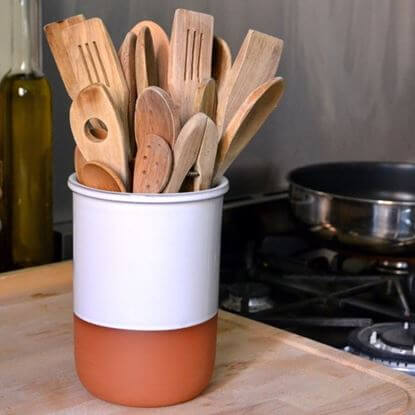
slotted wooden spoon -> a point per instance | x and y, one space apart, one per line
190 60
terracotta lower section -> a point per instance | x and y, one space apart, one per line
145 368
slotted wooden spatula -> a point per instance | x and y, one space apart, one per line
153 165
94 59
95 102
53 32
161 49
156 114
256 63
190 60
246 122
186 149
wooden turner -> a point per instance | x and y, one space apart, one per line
246 123
186 149
161 49
190 60
156 114
256 63
153 165
126 54
53 32
95 102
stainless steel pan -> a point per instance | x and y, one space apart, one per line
366 205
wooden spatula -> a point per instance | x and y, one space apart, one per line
256 63
206 98
145 61
205 161
156 114
153 165
53 32
246 122
186 149
161 49
190 60
95 102
126 54
221 61
99 176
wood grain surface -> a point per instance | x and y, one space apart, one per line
259 369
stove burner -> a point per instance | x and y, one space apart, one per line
392 344
393 267
248 297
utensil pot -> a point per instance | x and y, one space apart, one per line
146 280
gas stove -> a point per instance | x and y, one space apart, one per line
275 272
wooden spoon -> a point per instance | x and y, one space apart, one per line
156 114
161 49
190 60
246 123
256 63
221 61
126 54
95 102
153 165
206 98
79 161
99 176
53 32
145 61
186 149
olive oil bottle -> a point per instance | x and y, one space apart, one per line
26 228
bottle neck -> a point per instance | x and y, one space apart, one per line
26 37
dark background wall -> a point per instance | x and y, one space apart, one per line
349 68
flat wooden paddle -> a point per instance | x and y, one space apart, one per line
186 149
246 123
92 102
190 60
153 165
161 49
53 32
256 63
206 98
145 61
99 176
155 113
126 54
221 61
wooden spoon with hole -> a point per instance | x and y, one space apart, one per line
246 123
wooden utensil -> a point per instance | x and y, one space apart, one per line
53 32
153 165
205 161
95 102
246 122
99 176
221 61
206 98
190 60
256 63
94 59
161 46
155 113
186 149
145 61
126 54
79 162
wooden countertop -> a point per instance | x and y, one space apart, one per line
259 369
